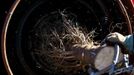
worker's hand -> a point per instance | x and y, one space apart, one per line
115 38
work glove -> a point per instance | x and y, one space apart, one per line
115 38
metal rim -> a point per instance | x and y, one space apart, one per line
3 37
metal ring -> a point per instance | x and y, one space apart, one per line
3 37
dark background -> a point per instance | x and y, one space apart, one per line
4 7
